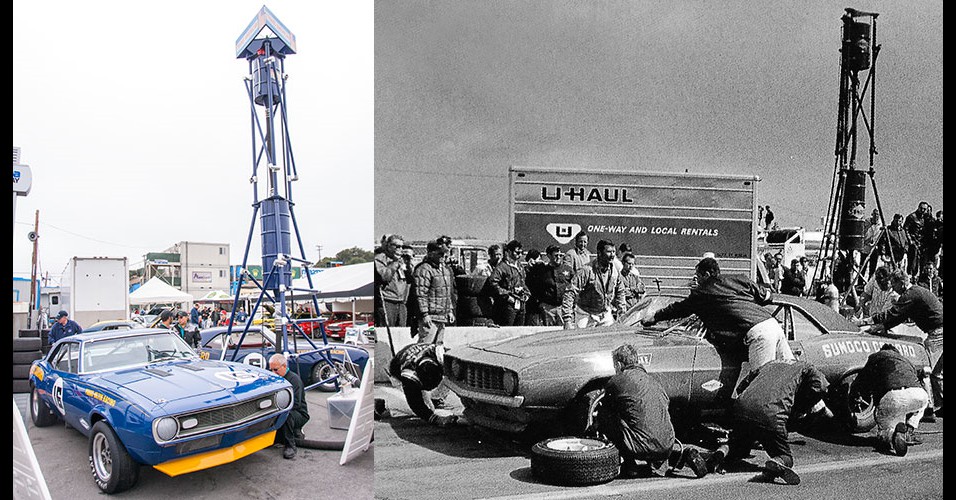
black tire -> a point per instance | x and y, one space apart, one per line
112 468
21 386
26 357
21 371
855 412
571 461
27 344
322 371
40 412
581 417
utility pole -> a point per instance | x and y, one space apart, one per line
34 236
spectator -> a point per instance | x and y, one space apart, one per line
166 320
299 415
419 369
194 314
776 272
938 229
793 279
186 330
393 272
633 286
216 314
494 257
895 243
890 380
450 259
634 416
595 293
930 280
918 305
807 278
769 218
731 308
63 327
829 295
760 217
618 261
769 396
506 285
916 228
532 257
547 283
871 250
579 257
877 295
434 295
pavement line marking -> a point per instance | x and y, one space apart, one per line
715 479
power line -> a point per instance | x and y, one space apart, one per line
86 237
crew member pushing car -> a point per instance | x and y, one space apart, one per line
299 415
419 368
731 307
634 416
769 395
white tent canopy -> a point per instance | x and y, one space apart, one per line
344 283
156 291
215 296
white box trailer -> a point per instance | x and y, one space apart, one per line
670 220
95 289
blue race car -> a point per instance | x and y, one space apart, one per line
344 363
144 397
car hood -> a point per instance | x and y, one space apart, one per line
183 382
562 343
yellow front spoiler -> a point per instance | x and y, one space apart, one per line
213 458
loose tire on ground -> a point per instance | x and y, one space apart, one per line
40 412
112 468
572 461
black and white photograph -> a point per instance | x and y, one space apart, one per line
658 249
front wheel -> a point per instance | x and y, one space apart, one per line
112 467
855 411
581 419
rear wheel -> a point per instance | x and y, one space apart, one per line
322 371
112 467
41 414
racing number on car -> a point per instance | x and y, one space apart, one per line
58 396
203 354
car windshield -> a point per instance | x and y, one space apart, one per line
647 306
125 352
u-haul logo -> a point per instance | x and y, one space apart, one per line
563 233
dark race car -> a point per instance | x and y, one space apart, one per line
553 380
143 397
343 363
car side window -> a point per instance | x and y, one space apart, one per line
783 316
67 358
803 328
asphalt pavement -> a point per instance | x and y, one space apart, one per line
62 453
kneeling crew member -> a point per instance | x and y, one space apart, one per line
292 428
419 368
900 400
768 396
634 416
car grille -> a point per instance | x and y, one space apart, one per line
485 378
223 417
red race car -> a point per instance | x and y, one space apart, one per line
340 321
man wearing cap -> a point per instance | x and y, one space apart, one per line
419 369
434 295
64 327
392 275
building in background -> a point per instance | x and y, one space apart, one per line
193 267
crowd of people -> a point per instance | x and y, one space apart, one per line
558 288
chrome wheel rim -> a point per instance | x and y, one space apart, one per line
102 458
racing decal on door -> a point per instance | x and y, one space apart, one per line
863 346
237 377
58 396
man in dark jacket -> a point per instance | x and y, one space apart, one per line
634 416
434 295
547 283
419 368
64 327
793 279
768 397
187 331
890 379
507 286
299 415
731 309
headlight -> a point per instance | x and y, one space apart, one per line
510 382
456 369
284 399
166 428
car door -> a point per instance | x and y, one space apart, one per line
68 392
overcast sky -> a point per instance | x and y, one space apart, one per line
135 122
463 90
